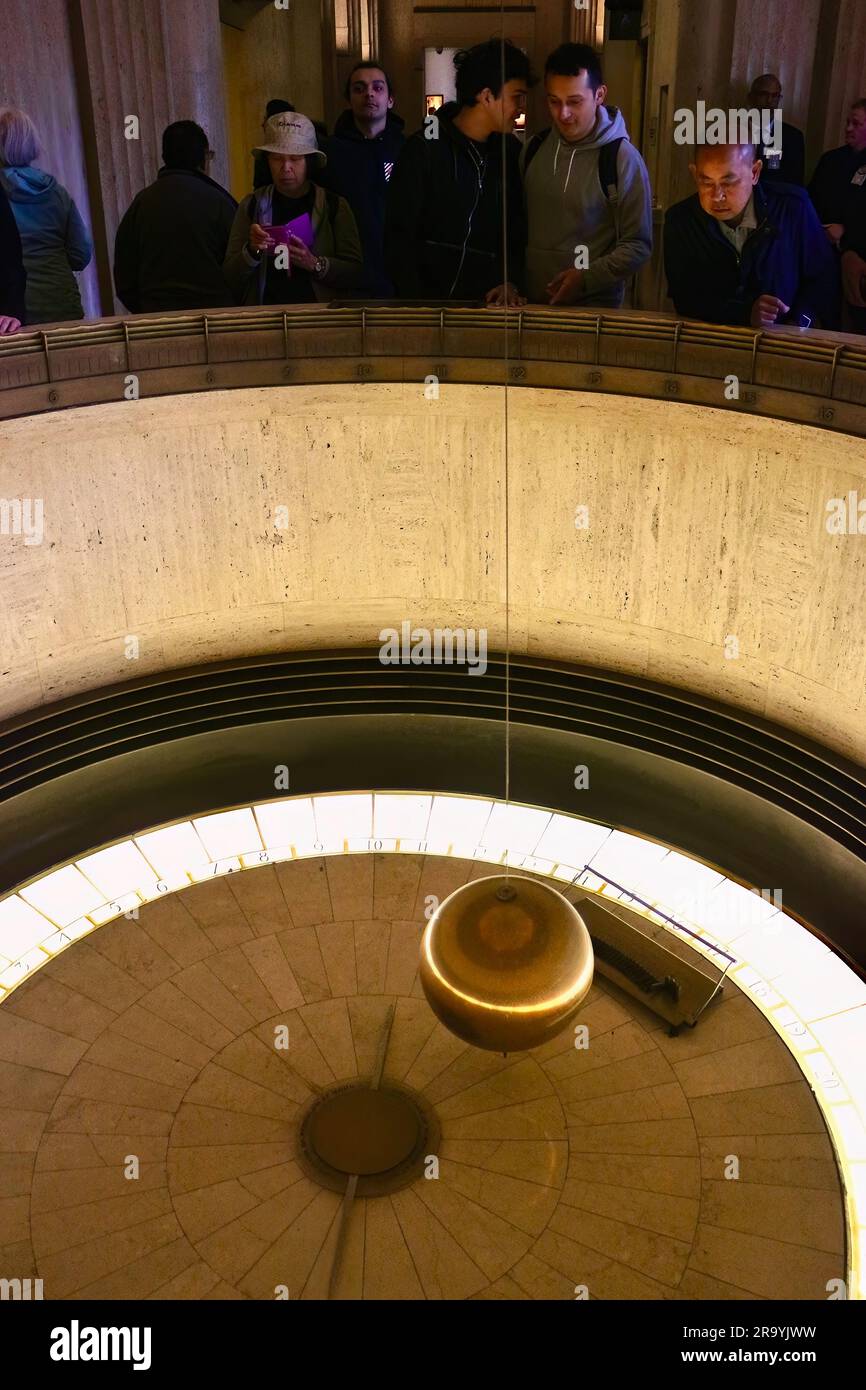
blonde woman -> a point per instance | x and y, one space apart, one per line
54 240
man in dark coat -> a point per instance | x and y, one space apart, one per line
743 252
171 242
789 166
853 248
838 187
362 152
447 202
13 277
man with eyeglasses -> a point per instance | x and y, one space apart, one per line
171 242
838 187
784 157
741 252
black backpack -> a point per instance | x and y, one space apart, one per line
607 156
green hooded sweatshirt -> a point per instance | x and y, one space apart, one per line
54 240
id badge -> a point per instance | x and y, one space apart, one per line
860 177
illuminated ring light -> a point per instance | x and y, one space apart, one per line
815 1002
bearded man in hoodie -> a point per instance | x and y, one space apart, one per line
362 153
455 194
588 196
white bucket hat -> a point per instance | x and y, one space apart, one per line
288 132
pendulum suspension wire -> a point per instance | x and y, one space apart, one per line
505 277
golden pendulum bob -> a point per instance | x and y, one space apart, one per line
506 963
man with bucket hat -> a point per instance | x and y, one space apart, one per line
292 242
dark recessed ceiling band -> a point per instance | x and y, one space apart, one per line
758 801
773 763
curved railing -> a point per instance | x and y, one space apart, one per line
810 377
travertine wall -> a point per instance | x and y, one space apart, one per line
277 54
158 61
712 50
162 522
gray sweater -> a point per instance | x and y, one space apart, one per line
566 208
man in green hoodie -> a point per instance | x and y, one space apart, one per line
588 196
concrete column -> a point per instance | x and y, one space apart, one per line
39 77
155 61
584 24
277 53
556 22
839 76
776 37
403 57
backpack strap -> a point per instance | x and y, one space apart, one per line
607 158
607 171
332 202
533 147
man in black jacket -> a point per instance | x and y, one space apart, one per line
742 252
361 154
448 204
838 187
786 162
13 277
853 248
171 242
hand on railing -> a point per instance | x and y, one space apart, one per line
565 287
505 294
767 310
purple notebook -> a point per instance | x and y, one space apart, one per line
301 227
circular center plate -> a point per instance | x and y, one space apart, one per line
363 1131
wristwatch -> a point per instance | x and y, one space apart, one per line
320 269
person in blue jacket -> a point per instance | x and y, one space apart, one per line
743 252
13 277
54 239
